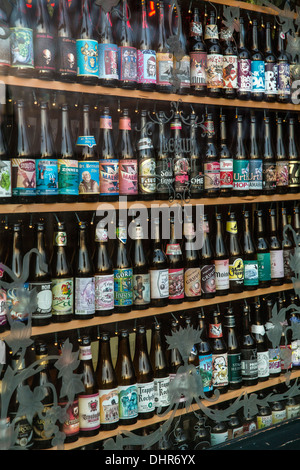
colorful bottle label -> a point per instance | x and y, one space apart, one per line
251 273
258 75
13 303
249 364
198 66
5 46
146 397
236 270
278 416
128 401
192 282
164 68
109 177
70 426
89 412
108 61
277 266
284 84
264 421
282 173
274 361
294 174
211 32
146 66
256 175
269 176
176 283
46 177
141 289
5 179
104 292
21 48
234 368
222 274
147 175
23 177
127 62
220 370
230 72
264 266
3 307
123 294
159 280
88 177
128 177
208 279
271 72
206 371
44 52
241 175
226 173
214 71
212 175
162 391
181 174
67 177
43 299
84 296
182 71
109 406
39 425
87 58
244 75
66 48
62 296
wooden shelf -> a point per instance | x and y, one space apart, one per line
255 8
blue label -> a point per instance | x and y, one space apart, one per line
258 75
255 174
86 141
46 177
88 172
68 177
283 76
108 61
127 63
123 294
206 372
87 57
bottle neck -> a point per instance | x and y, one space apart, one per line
254 38
268 39
242 35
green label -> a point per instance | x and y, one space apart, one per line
234 368
241 175
123 293
251 273
128 401
264 266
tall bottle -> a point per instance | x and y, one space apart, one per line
276 251
44 43
88 399
40 279
176 266
146 161
62 277
104 274
107 51
164 57
271 68
288 247
5 58
87 48
283 62
46 162
196 163
141 273
214 58
221 260
263 250
282 163
294 159
198 56
84 280
65 46
255 161
182 59
230 67
21 42
248 351
219 353
274 349
159 366
207 265
269 164
127 52
127 383
123 274
244 66
258 333
180 156
205 356
107 385
23 161
6 165
257 67
251 270
226 161
128 164
159 271
236 258
211 161
233 350
174 362
192 272
108 162
240 162
144 375
146 56
88 161
164 165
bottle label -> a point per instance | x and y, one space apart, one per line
173 249
176 283
277 267
208 279
198 66
5 179
220 370
123 294
258 76
109 177
244 75
241 175
70 426
292 411
234 368
146 398
108 61
62 296
211 32
205 370
5 46
274 361
44 52
146 66
283 84
231 227
230 72
141 289
84 296
85 353
282 173
23 177
249 364
192 282
128 177
214 71
67 177
226 173
164 176
21 48
88 177
60 239
182 71
218 438
222 274
46 177
87 58
89 412
127 57
264 421
3 307
164 68
263 364
13 302
128 401
39 424
251 273
212 175
181 174
162 391
24 437
147 175
286 356
278 416
104 292
287 254
269 178
271 72
256 174
66 48
215 330
294 174
264 266
109 406
159 280
43 299
236 270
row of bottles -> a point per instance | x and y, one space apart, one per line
123 51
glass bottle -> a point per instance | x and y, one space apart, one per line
21 42
282 163
263 251
264 415
108 162
230 67
175 361
273 349
164 57
146 56
211 161
221 260
192 273
276 251
159 271
196 164
236 261
248 351
240 162
288 247
283 62
251 270
226 161
207 265
104 274
44 43
127 52
181 64
87 48
159 366
5 58
257 66
107 51
6 164
244 66
258 333
65 46
214 58
176 266
268 156
198 56
164 164
123 274
205 356
219 353
255 161
294 158
146 161
128 164
141 274
271 67
180 157
233 350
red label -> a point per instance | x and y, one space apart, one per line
215 330
125 124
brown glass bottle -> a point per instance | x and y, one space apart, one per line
258 333
214 58
128 164
226 161
175 361
44 43
146 56
262 249
66 46
87 47
276 251
5 59
207 265
294 158
233 350
159 365
198 56
221 259
269 164
141 274
219 353
123 274
273 348
240 162
158 266
196 163
251 276
205 356
164 56
282 163
21 65
104 274
176 266
192 272
127 48
146 161
248 351
255 161
108 162
287 245
108 72
236 258
211 161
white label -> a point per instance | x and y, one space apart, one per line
159 283
217 438
263 364
277 265
84 295
146 400
162 391
89 412
85 353
104 292
222 274
258 329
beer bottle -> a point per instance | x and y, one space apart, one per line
269 164
21 42
88 161
258 333
264 415
294 159
146 161
205 356
244 66
41 438
181 64
176 267
159 366
46 162
87 48
276 252
221 260
236 262
181 163
196 163
146 56
226 161
271 67
127 52
277 407
296 220
192 273
127 382
219 353
6 164
104 274
219 430
144 375
211 161
273 349
123 274
257 67
174 362
233 350
251 275
107 51
108 162
255 162
240 162
159 272
88 399
5 58
40 279
164 165
207 265
141 274
193 357
62 277
283 62
288 247
44 44
84 280
214 58
107 385
286 337
198 56
128 165
282 163
164 57
263 251
65 46
248 351
235 425
230 70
